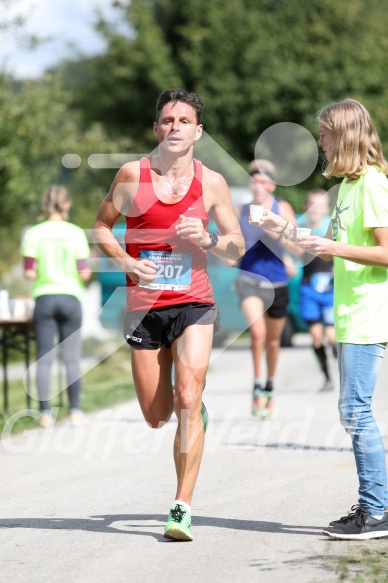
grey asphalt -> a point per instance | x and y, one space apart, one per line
89 503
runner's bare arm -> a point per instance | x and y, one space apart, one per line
119 197
218 202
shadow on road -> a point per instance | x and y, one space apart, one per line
130 523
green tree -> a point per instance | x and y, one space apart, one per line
254 62
119 88
38 130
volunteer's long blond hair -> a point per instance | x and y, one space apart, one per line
355 143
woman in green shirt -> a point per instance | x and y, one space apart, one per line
56 260
357 240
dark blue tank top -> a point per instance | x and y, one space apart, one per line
263 258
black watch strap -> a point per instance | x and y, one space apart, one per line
214 241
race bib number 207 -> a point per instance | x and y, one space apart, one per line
173 270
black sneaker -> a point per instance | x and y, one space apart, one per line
353 509
344 519
358 525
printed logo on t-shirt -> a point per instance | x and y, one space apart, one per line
336 222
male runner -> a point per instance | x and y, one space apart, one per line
171 314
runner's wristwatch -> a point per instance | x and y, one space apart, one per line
214 241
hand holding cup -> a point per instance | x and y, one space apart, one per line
302 232
256 212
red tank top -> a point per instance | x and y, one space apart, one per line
182 275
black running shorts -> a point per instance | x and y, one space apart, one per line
275 298
150 330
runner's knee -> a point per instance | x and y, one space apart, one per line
187 398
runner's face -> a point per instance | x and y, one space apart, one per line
177 127
261 187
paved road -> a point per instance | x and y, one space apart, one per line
89 503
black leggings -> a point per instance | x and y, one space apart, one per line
58 314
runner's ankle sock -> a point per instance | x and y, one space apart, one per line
320 353
184 504
269 385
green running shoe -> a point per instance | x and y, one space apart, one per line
178 525
268 410
255 400
205 417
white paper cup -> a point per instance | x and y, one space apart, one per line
256 212
302 232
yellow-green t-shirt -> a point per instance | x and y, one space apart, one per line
56 246
360 291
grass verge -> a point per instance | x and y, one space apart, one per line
363 564
106 385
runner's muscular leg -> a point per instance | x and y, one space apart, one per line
253 309
191 352
274 332
151 371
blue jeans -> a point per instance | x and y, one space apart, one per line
359 367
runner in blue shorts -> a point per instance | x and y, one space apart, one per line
316 291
